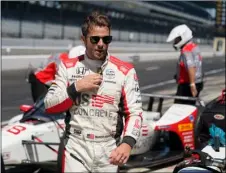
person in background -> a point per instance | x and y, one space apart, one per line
189 74
41 79
94 87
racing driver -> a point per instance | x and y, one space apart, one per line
95 87
189 67
41 79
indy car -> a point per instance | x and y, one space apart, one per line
209 155
33 137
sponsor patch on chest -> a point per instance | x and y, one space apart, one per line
109 74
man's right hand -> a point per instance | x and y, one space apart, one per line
89 83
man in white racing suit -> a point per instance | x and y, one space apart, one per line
95 87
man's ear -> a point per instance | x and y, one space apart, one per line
83 39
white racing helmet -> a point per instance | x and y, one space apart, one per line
76 51
180 31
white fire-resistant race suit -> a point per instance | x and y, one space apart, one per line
94 114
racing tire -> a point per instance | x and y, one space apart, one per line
60 154
183 169
197 122
2 166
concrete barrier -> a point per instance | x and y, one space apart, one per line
19 53
14 62
40 46
29 42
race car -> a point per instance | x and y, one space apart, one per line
213 114
168 133
211 142
33 137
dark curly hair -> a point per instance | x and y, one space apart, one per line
96 18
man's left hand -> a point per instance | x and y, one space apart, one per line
193 90
120 155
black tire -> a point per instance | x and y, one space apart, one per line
197 122
2 166
38 88
60 154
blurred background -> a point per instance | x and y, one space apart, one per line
138 21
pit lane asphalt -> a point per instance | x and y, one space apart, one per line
16 91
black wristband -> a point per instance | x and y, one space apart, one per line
72 93
129 140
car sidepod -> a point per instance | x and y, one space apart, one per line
28 143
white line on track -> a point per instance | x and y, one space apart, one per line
157 85
9 108
209 61
173 81
152 68
12 57
215 71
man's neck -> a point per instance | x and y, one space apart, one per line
93 59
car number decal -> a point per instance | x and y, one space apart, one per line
16 129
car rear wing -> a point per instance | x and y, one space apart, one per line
161 98
30 147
